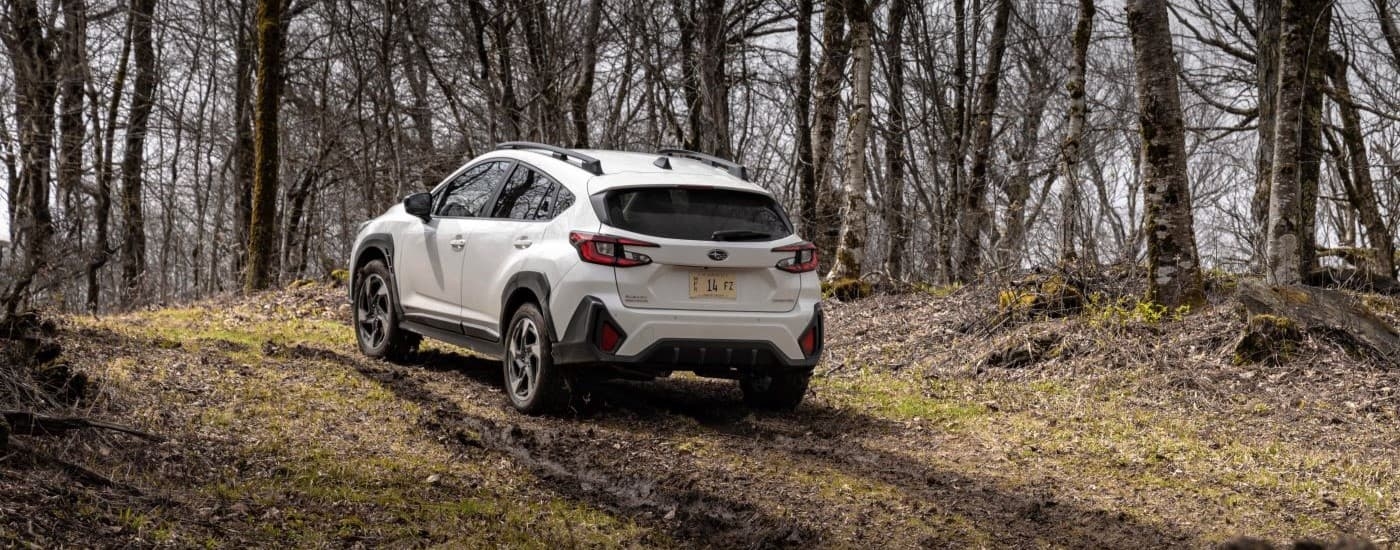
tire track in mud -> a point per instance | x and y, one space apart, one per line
671 505
675 501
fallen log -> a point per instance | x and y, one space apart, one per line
1360 280
1329 314
28 423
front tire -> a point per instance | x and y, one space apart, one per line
776 392
376 323
533 382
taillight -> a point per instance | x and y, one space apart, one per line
808 341
609 250
803 260
609 337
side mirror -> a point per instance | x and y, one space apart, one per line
419 204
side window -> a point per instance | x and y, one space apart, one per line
524 196
466 194
563 201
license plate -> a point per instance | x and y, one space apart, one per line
713 285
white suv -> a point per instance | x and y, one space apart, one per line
574 266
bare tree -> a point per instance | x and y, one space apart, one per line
261 237
134 152
587 66
896 222
973 215
1286 223
850 251
1173 270
1359 188
827 97
31 46
1071 150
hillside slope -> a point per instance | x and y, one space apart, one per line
1114 429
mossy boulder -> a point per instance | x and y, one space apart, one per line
1020 350
846 289
339 277
1267 339
1042 295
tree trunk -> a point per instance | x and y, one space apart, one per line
1072 151
1361 192
850 252
802 104
1310 143
102 207
72 130
1266 39
714 84
242 155
587 66
32 60
827 96
134 154
974 213
1173 271
895 220
1286 225
263 226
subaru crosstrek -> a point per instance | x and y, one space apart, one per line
578 265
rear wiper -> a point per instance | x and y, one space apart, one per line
739 235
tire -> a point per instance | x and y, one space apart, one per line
776 392
533 383
376 323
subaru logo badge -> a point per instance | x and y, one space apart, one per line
718 255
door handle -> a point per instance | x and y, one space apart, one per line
458 243
523 242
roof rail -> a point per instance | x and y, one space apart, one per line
735 170
590 164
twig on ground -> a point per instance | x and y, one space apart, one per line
24 422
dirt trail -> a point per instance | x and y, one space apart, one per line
622 457
1135 435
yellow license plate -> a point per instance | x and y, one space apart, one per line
713 285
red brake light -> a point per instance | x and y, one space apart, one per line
609 250
808 341
803 260
608 337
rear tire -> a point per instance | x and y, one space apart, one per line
775 392
376 321
533 383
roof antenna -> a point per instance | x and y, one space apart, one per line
662 162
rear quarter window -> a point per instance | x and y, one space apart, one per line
697 214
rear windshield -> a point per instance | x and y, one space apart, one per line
697 214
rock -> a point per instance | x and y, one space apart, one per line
1267 339
1017 350
1328 314
1050 295
847 289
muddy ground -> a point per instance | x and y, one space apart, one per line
1133 433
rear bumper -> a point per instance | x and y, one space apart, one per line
726 346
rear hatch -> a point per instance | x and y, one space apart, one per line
713 249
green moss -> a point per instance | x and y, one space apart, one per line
1267 338
846 289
